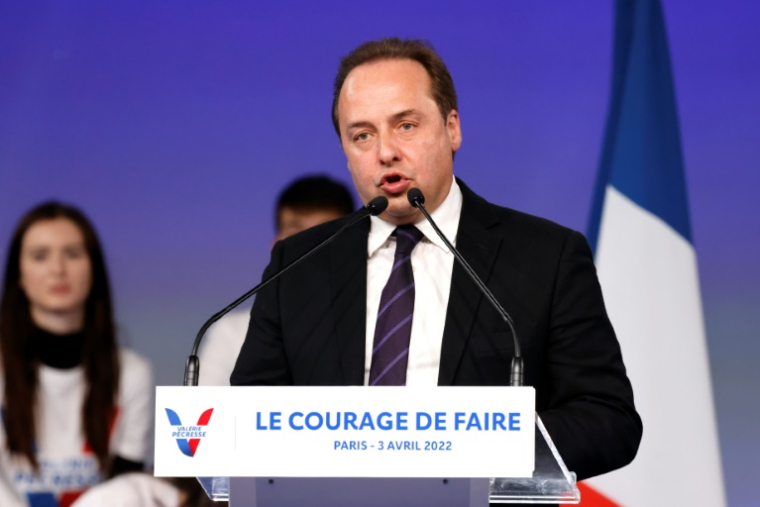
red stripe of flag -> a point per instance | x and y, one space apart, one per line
592 498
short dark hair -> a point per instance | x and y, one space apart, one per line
314 192
420 51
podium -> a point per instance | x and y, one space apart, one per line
237 456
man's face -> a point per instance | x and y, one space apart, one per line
395 138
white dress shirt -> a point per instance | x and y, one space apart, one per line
432 264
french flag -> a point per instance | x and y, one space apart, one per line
641 234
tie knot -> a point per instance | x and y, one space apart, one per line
407 237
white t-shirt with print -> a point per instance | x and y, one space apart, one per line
67 466
131 490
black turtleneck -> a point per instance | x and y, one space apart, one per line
62 351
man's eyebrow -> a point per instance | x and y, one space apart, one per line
358 124
395 117
404 114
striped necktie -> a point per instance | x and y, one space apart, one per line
390 350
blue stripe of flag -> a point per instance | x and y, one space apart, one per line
641 154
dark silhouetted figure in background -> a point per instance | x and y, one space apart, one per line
306 202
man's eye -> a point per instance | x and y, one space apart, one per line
361 137
407 126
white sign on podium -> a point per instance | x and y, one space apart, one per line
345 431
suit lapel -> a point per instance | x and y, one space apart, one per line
479 246
348 284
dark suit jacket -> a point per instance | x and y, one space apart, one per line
308 328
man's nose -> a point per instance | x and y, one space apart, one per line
388 152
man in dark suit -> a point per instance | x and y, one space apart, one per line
326 321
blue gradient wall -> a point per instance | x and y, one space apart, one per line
174 126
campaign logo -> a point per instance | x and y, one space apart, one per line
188 437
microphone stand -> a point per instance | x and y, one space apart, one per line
417 200
192 366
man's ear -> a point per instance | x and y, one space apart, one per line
454 130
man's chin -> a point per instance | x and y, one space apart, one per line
401 215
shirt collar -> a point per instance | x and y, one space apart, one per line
446 216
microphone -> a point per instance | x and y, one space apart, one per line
192 367
417 200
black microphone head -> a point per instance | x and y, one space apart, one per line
415 197
377 205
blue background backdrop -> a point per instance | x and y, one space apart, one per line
175 125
